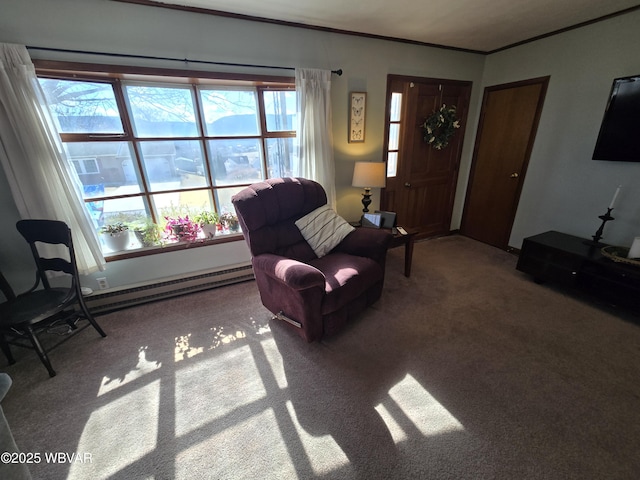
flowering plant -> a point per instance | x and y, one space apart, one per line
230 221
440 127
181 229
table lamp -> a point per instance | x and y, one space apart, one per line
369 175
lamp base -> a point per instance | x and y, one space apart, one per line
366 200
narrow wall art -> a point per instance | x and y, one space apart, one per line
357 109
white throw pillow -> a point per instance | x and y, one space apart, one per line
323 229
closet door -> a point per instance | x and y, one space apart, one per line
508 124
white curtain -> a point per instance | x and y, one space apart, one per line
42 182
315 140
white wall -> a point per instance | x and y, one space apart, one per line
97 25
564 189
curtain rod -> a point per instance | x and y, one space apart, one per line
150 57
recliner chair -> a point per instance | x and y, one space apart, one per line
317 296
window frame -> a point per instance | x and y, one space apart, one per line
118 77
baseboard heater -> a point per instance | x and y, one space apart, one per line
100 302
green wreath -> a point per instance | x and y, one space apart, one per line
440 127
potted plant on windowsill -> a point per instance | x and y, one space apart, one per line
208 222
147 233
230 222
115 236
181 229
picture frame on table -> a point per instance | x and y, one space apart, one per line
388 218
357 113
372 220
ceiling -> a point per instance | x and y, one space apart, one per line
477 25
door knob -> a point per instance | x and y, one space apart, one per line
514 175
407 184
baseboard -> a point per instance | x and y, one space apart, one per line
118 298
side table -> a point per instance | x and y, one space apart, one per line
408 241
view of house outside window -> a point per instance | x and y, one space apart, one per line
150 153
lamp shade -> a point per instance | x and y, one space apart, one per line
369 174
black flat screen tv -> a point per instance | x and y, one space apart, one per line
619 137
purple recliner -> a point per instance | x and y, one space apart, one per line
318 294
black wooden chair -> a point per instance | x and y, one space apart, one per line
25 315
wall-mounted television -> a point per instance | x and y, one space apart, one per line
619 137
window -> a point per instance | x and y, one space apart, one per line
394 134
151 148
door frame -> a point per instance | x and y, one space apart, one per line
544 82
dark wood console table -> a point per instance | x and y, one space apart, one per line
569 261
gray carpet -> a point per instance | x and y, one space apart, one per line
466 370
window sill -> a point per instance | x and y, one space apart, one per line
172 247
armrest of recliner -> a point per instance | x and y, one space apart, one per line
366 242
293 289
297 275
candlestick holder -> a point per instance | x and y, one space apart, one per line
596 238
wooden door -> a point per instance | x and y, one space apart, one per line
507 129
421 180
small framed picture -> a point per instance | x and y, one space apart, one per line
357 110
372 220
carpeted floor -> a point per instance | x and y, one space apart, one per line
466 370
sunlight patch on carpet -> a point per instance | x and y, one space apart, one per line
397 433
323 453
184 350
142 368
237 452
411 407
187 347
114 445
215 387
260 329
